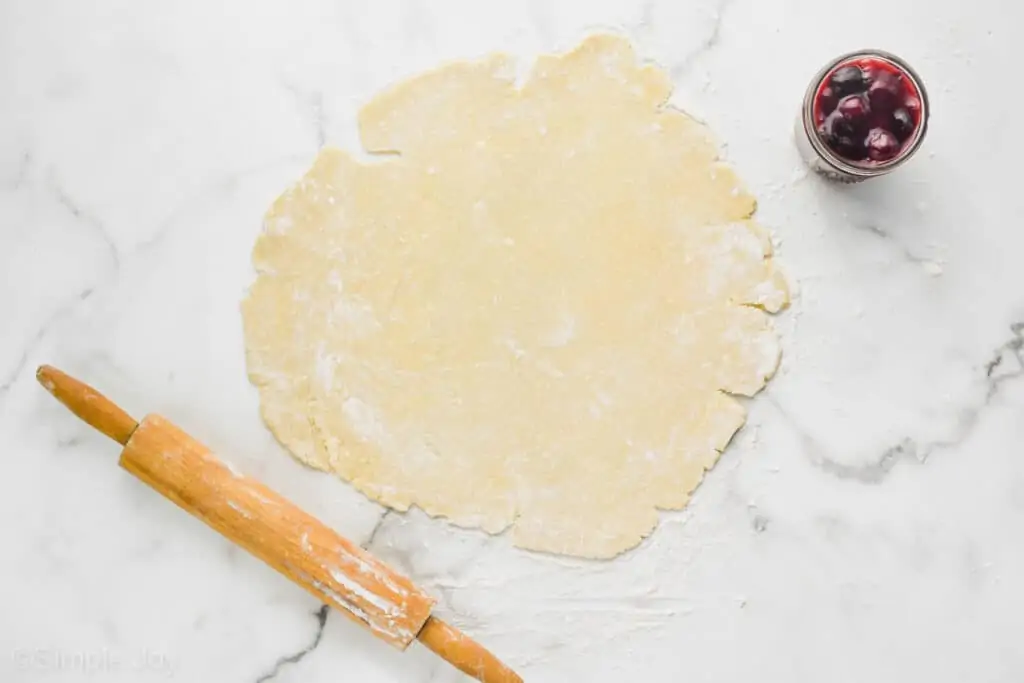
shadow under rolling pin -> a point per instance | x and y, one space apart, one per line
275 530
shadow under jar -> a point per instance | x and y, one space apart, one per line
863 115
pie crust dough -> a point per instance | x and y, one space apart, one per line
527 309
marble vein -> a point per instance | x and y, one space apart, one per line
371 538
36 339
86 218
905 252
996 377
295 658
681 69
20 174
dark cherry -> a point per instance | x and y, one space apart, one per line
842 137
854 108
850 148
885 92
881 145
848 80
902 124
837 125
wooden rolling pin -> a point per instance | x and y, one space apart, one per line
273 529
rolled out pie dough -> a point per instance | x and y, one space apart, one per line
527 311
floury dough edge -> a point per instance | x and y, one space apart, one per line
529 311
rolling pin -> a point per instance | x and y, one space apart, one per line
332 568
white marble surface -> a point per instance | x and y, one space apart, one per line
867 525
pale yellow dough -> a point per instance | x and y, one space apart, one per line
528 311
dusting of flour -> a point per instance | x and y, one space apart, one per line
531 311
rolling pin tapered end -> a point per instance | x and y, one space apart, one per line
464 653
88 404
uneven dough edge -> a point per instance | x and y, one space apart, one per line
301 434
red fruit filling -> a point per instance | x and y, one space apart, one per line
866 110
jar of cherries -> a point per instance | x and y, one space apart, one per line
863 115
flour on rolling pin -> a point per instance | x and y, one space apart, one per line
337 571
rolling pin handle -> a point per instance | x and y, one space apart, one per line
88 404
464 653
